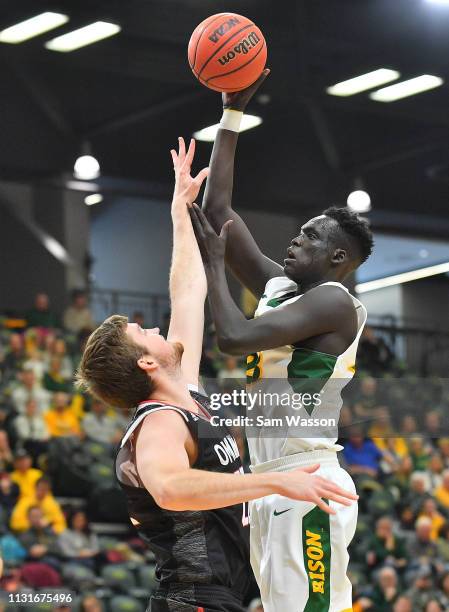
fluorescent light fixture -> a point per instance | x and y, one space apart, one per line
363 82
32 27
208 134
83 36
404 277
359 201
86 168
93 198
55 248
439 2
406 88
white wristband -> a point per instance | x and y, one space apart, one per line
231 120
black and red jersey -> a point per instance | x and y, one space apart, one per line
208 547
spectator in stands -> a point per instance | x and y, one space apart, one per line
367 398
24 475
90 603
433 606
386 590
14 357
43 497
419 453
61 419
361 455
432 426
385 548
374 355
443 545
39 539
418 492
77 316
41 315
403 604
435 471
100 426
383 435
443 445
29 387
423 589
442 492
409 426
35 361
429 508
9 495
31 429
400 479
422 549
139 318
77 542
6 456
230 375
59 349
54 381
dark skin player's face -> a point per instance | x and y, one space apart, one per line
311 254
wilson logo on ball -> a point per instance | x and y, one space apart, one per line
243 47
225 27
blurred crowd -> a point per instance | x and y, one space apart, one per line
62 520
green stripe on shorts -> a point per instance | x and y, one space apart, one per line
317 559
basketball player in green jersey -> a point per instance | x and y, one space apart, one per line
306 326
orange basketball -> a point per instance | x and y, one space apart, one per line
227 52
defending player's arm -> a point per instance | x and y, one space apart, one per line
311 316
164 466
188 285
247 262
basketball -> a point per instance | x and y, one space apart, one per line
227 52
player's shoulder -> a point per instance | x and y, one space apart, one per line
278 284
331 298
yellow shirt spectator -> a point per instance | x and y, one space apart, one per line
24 475
61 420
44 499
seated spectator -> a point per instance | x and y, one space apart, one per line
54 381
14 358
409 426
139 318
31 429
27 388
419 453
77 316
61 419
77 542
367 398
386 590
9 494
418 492
59 350
443 445
24 475
432 426
422 549
40 541
443 544
423 589
429 509
35 361
41 315
403 604
400 479
442 492
100 426
435 471
433 606
383 435
385 548
361 455
231 370
375 356
6 456
90 603
43 498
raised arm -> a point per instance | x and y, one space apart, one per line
247 262
188 285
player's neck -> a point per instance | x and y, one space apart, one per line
174 392
308 284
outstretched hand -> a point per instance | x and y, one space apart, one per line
237 100
186 186
212 246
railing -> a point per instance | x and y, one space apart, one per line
105 302
424 349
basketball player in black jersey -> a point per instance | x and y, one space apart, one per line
182 477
